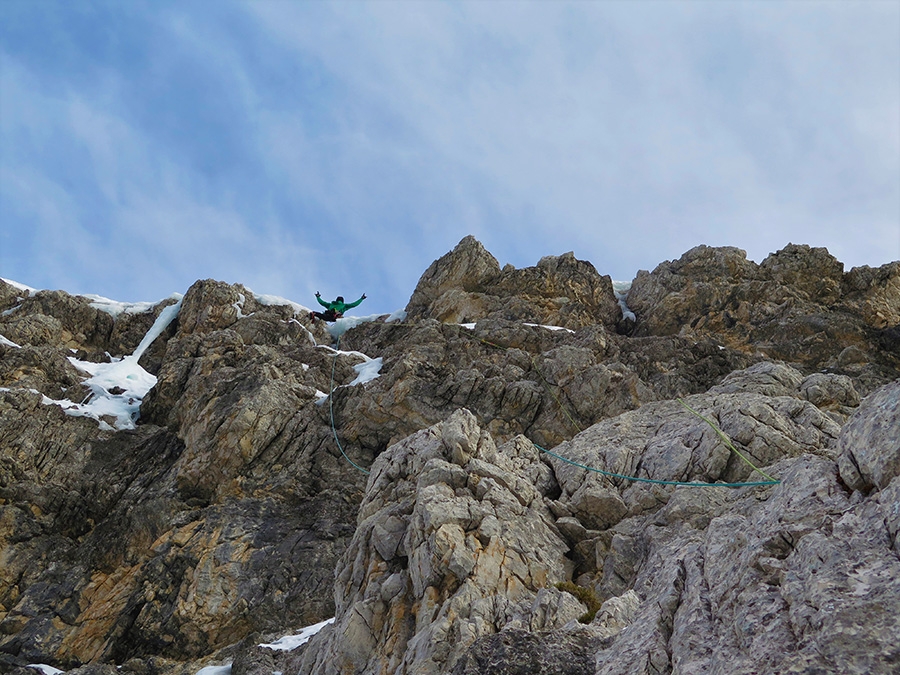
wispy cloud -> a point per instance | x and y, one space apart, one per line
343 146
678 123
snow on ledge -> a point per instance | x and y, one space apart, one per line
368 371
43 667
291 642
540 325
215 670
115 308
276 301
21 287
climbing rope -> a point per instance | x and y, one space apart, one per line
337 351
727 441
610 474
638 479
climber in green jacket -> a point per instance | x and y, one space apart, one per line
333 310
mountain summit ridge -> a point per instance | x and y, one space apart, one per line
229 514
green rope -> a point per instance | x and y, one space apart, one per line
331 410
547 384
727 441
609 474
638 479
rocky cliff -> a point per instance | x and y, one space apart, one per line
436 483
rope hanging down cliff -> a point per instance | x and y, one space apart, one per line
331 410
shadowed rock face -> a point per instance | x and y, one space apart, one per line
229 517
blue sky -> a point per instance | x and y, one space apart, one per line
342 147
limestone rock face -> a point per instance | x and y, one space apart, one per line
454 542
229 515
805 569
797 305
57 319
467 285
177 539
516 378
870 443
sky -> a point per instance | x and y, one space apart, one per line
343 146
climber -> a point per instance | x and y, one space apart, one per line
333 310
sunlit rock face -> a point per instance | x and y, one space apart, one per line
176 484
798 306
467 285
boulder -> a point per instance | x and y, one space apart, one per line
869 443
475 546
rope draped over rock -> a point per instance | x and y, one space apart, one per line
331 411
609 474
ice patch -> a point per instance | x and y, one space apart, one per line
621 288
239 306
367 371
117 388
215 670
162 322
114 308
291 642
43 667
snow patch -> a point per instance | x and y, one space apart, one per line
367 371
621 288
291 642
344 324
115 308
275 301
21 287
117 388
538 325
43 667
8 343
215 670
399 315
